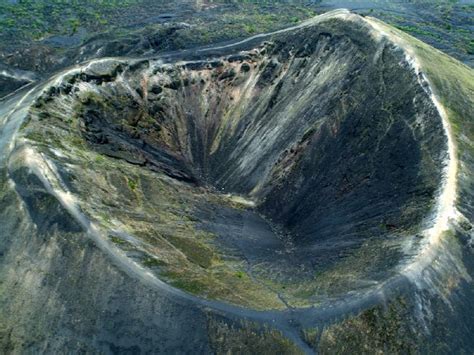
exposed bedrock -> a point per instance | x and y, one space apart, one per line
251 195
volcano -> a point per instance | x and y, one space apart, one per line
307 190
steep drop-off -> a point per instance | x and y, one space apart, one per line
259 192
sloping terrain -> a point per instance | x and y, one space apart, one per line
305 190
42 37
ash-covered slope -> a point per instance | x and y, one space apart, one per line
228 189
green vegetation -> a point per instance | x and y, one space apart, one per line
378 329
245 20
99 159
132 184
118 241
197 252
192 286
442 28
152 262
240 274
248 338
310 336
32 19
417 30
470 47
159 215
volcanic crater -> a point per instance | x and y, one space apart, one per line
278 172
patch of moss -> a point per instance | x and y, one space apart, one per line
194 286
77 141
29 19
248 338
311 336
419 31
117 240
196 251
132 184
99 159
381 331
153 262
240 274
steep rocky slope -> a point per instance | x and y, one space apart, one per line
305 190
